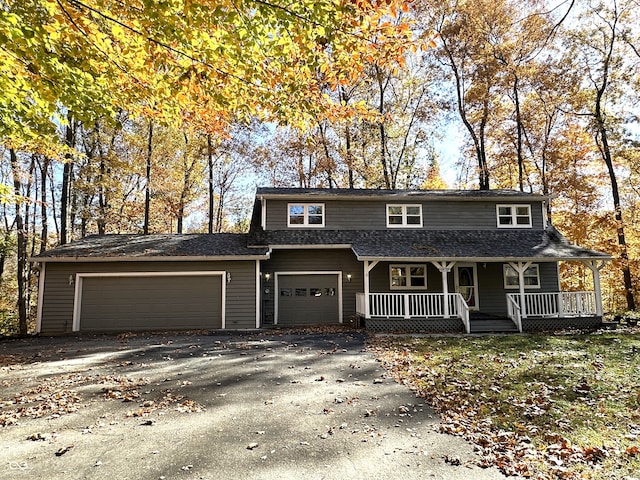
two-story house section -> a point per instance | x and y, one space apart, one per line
418 260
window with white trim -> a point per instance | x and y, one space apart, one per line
514 216
531 277
406 277
399 216
305 215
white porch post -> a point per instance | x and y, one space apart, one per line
368 266
521 267
595 267
445 268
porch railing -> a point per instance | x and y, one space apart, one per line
514 312
553 304
414 305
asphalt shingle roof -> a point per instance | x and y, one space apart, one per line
344 193
151 246
439 244
369 244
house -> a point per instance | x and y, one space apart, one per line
413 260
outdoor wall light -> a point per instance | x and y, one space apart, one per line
349 277
267 277
71 280
228 277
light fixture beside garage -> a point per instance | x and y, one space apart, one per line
228 277
349 277
267 277
71 280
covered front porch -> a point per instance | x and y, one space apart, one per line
528 301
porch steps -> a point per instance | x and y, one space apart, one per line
481 323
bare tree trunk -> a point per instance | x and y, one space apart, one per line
602 140
66 181
22 247
185 184
327 156
211 192
617 205
30 230
519 128
382 86
73 206
478 139
344 97
347 134
220 211
147 188
44 224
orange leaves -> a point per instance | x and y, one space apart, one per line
632 451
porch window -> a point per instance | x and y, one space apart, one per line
404 216
514 216
531 277
306 215
404 277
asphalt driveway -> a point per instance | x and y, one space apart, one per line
273 405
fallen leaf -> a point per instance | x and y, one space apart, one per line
64 450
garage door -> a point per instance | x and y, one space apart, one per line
308 299
148 303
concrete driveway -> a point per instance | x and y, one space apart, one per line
271 405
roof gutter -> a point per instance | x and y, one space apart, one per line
480 259
207 258
402 197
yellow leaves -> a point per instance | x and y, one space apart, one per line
241 59
117 30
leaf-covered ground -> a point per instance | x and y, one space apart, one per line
563 406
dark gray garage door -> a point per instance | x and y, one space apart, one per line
147 303
308 299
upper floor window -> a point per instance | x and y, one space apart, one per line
306 215
531 277
404 215
514 216
408 277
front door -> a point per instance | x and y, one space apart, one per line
466 283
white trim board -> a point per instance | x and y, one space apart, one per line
77 301
276 290
41 279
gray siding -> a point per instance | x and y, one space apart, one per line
58 297
315 260
492 293
371 215
380 279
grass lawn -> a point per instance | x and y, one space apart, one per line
540 406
